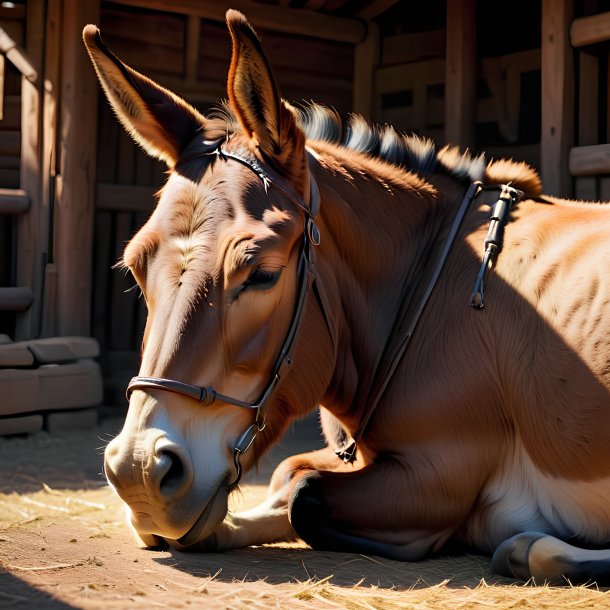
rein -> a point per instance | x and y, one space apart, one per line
404 327
307 278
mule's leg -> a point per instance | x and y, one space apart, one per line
268 522
385 509
546 559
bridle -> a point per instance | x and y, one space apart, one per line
207 395
404 325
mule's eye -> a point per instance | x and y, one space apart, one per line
262 279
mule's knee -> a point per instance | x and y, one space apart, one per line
293 468
307 512
287 471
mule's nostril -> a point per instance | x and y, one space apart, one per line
175 472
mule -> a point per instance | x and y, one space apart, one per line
449 320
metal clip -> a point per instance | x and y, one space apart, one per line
313 233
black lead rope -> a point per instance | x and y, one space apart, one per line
494 239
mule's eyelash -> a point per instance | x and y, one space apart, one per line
262 279
259 279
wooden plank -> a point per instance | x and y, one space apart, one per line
13 355
590 160
374 8
529 153
366 59
107 145
307 55
590 30
460 73
149 58
77 148
2 69
557 85
17 56
125 160
606 85
14 26
10 140
17 11
16 299
102 268
404 77
14 201
32 228
402 48
279 19
588 96
49 165
163 30
191 54
121 305
585 187
11 119
123 197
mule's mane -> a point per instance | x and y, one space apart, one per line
409 151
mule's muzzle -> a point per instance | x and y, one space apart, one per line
165 469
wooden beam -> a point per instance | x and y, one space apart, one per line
590 30
460 73
14 201
265 17
590 160
16 299
16 56
374 8
75 203
557 76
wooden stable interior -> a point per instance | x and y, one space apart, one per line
74 188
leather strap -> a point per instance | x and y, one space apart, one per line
402 332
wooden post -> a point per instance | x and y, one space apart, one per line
75 183
557 75
32 227
461 71
191 52
366 60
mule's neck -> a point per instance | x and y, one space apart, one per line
382 230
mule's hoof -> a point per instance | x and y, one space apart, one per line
511 558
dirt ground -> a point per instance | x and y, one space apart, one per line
63 544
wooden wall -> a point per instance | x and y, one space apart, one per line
13 23
534 89
492 81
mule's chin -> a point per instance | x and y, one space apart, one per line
212 515
210 518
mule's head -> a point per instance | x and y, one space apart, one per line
218 264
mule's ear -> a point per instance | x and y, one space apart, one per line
157 119
255 99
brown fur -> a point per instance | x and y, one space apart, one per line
495 421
